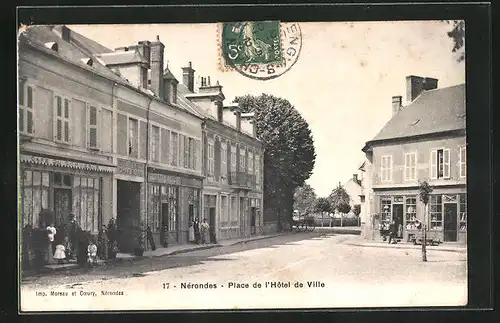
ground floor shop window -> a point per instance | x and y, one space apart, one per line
34 196
386 208
224 218
154 207
411 213
234 212
436 212
170 206
86 198
463 213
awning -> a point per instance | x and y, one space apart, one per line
37 160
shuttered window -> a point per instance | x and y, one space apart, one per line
410 166
92 127
62 119
463 162
25 102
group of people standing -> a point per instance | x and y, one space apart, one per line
199 233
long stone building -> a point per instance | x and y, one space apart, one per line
112 134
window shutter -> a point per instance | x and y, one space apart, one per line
92 127
29 111
58 119
389 168
66 120
446 163
433 164
217 153
407 166
414 167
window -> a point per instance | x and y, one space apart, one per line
192 158
196 153
155 143
174 148
386 206
257 169
172 208
463 212
92 127
440 163
155 203
85 194
410 166
25 108
34 196
410 213
233 158
211 165
62 119
224 212
463 162
250 163
186 152
133 138
223 158
436 212
234 212
242 160
386 168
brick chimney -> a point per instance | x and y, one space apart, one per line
247 124
144 48
65 33
188 77
415 85
397 104
157 57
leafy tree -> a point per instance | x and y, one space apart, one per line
339 200
357 209
322 205
424 193
304 199
289 154
457 34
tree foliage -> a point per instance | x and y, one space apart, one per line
424 191
457 34
304 199
340 200
322 205
356 209
289 148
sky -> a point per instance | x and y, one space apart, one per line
342 83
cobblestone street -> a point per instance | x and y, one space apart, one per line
340 275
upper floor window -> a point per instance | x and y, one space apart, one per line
25 108
440 163
257 169
463 161
186 152
62 119
242 160
155 143
250 163
223 159
174 148
233 158
410 166
92 127
192 156
211 154
386 168
133 138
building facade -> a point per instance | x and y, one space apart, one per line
110 134
424 141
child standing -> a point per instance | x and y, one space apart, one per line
59 254
91 253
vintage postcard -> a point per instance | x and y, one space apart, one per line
242 165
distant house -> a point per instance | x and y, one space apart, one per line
354 188
424 140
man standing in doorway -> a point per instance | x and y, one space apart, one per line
392 232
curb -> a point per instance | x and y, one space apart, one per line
462 250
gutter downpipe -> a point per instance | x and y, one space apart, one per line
146 165
202 196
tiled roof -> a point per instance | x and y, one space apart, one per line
186 104
433 111
169 76
39 35
84 43
120 58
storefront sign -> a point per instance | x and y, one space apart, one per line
36 160
166 179
127 167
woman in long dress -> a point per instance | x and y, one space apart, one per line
191 232
205 232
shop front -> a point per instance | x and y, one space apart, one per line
446 217
52 189
173 203
210 215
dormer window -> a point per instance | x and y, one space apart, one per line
87 61
52 45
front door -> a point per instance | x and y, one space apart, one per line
62 206
164 225
253 220
450 222
211 223
397 216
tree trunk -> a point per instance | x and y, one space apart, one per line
424 236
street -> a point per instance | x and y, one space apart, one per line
333 274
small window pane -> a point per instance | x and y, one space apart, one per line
59 130
84 181
93 116
67 180
30 97
21 119
59 106
76 181
66 131
66 108
45 179
96 183
21 92
29 121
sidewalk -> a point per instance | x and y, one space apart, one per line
159 252
450 247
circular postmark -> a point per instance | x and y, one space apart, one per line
261 50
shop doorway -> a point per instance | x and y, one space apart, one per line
164 234
450 222
253 216
128 213
243 218
212 224
62 206
397 216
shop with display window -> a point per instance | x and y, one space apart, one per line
446 219
173 202
210 214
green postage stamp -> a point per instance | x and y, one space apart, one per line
260 50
